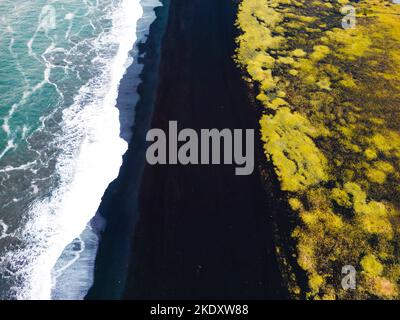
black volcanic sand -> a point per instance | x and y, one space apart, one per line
202 231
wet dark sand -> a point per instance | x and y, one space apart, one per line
202 231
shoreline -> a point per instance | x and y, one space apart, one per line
203 233
116 216
57 211
75 265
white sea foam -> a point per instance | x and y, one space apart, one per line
91 158
74 271
3 229
69 16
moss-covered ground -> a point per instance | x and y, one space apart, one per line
330 124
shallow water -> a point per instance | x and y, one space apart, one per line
60 134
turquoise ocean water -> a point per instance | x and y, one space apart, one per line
60 67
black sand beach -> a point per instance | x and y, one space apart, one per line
202 232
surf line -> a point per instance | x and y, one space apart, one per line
195 150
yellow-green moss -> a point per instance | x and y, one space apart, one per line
299 53
315 282
341 197
376 176
331 131
370 154
288 143
371 265
320 52
295 204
